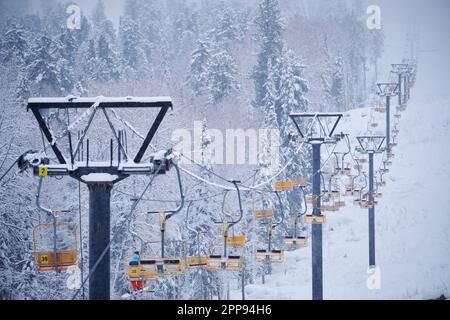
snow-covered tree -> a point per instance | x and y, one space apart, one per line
228 29
333 81
133 53
222 71
269 35
42 68
102 25
108 64
15 44
198 73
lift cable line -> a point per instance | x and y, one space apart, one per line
268 181
245 187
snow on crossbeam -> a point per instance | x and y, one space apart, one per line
104 102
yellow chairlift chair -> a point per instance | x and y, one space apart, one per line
55 244
228 262
297 241
271 255
197 261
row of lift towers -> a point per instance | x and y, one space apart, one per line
93 173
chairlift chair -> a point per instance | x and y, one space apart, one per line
163 265
283 185
312 219
270 255
362 160
297 241
380 109
264 214
401 108
265 256
197 261
46 258
150 267
55 244
328 202
228 262
302 183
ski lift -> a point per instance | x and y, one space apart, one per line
234 241
283 185
380 109
362 160
302 183
381 182
162 265
227 262
327 202
265 209
264 214
312 219
311 199
342 167
401 108
273 256
198 261
149 267
55 244
270 255
366 204
393 143
360 199
335 197
295 241
139 274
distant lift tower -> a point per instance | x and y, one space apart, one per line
371 145
100 177
402 70
388 90
314 129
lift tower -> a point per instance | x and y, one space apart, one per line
100 177
319 133
371 145
388 90
401 69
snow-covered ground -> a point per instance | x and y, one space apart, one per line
412 220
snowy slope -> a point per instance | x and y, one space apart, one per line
412 222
